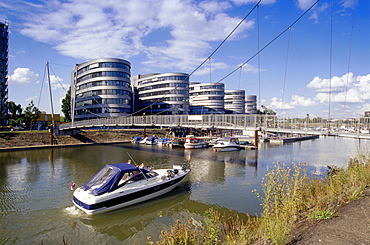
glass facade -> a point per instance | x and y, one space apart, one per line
251 104
101 88
207 98
4 36
234 101
164 94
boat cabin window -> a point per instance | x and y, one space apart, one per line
103 178
134 176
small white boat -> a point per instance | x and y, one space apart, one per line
148 140
227 144
177 143
195 143
163 141
123 184
136 139
142 141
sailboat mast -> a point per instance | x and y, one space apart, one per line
51 97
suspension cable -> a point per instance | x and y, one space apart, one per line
285 73
208 58
350 54
42 85
331 55
268 44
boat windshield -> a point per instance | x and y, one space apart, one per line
131 177
102 177
108 178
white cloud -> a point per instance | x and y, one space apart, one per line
336 84
277 104
349 3
302 101
23 75
347 88
305 4
241 2
88 30
57 82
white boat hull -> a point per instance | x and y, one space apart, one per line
230 148
126 204
127 196
194 146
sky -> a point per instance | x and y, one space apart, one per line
298 56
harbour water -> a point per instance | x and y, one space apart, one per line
35 196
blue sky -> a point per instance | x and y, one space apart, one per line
329 47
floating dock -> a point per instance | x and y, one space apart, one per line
293 139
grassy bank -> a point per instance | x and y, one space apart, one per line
291 200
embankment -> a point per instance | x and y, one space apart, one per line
35 139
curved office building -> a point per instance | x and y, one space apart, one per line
162 93
251 104
235 101
101 88
207 98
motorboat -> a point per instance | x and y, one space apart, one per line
177 143
142 141
123 184
244 139
227 144
148 140
163 141
136 139
195 143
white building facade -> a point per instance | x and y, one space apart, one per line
161 93
101 88
235 101
251 104
207 98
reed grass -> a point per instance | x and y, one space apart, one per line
289 197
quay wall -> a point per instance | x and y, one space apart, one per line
29 139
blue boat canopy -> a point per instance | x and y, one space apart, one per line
108 178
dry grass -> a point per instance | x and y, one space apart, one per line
289 197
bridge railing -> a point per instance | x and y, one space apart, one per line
354 126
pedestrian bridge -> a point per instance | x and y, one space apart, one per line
353 127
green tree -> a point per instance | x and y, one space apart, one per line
266 111
14 110
66 106
31 113
15 114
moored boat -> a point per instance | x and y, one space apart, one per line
136 139
227 144
177 143
151 140
123 184
195 143
163 141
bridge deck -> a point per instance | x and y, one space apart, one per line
355 128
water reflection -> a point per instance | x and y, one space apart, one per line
35 187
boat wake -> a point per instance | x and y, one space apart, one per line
73 211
